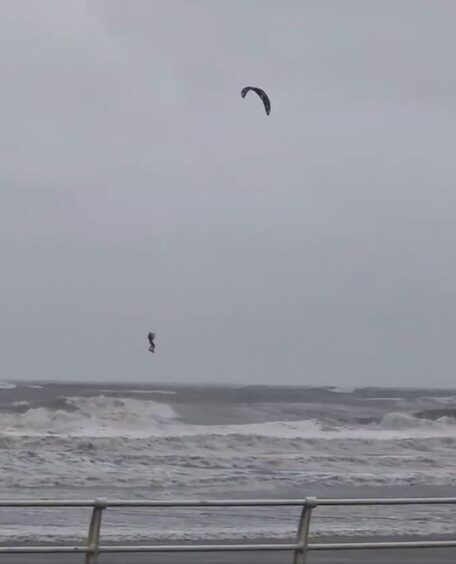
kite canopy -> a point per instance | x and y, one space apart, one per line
261 93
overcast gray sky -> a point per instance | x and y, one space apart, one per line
140 192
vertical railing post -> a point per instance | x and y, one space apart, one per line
300 554
93 538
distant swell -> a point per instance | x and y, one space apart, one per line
435 414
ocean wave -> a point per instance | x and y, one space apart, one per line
444 400
445 414
80 442
101 442
341 389
201 463
418 421
142 391
86 416
103 415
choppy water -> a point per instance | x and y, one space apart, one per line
159 442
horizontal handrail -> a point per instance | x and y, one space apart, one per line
153 548
388 501
384 544
227 547
314 501
43 549
154 503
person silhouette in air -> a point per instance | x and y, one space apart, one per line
151 337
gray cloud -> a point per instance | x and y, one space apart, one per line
139 191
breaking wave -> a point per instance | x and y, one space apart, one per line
441 422
103 415
86 416
103 441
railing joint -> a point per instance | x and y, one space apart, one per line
311 502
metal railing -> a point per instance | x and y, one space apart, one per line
299 547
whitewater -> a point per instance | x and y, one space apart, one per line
87 441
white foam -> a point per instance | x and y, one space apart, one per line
386 398
342 389
93 416
163 392
443 400
139 391
116 416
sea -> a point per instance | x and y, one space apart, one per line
132 441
